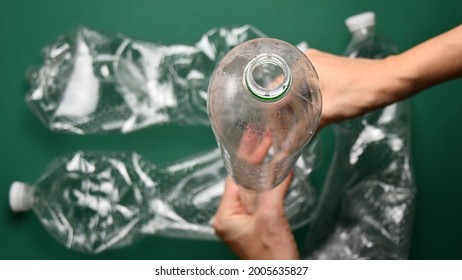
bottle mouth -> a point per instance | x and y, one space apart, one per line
268 77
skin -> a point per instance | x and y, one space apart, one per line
351 87
264 234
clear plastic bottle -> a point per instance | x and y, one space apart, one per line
92 201
365 42
89 202
264 105
91 82
366 208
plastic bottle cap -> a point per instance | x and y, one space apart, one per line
19 202
359 21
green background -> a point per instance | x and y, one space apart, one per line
27 147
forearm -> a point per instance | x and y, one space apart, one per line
432 62
352 87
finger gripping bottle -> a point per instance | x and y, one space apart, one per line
264 105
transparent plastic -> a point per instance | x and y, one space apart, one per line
365 41
264 104
91 82
117 84
92 202
366 207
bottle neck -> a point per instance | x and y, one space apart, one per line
363 32
268 77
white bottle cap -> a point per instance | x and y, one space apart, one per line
359 21
19 200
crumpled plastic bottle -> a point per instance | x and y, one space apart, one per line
92 202
95 83
366 207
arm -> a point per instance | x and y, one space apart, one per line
352 87
432 62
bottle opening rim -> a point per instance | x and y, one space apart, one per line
278 86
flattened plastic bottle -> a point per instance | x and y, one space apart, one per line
89 202
92 202
367 206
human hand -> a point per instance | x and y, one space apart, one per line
352 87
264 234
